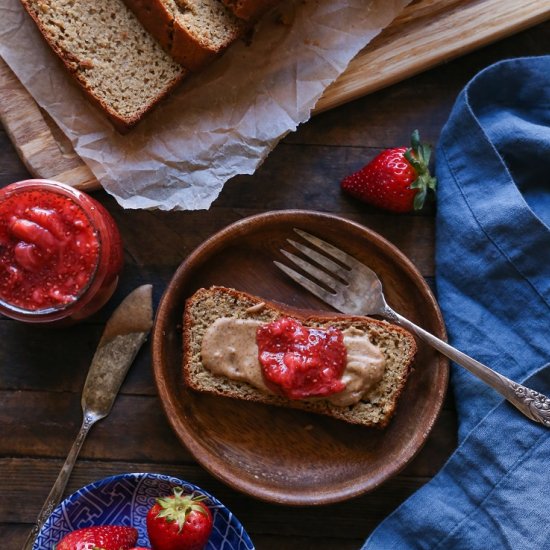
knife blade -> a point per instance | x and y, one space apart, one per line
123 336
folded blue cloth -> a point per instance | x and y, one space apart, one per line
493 283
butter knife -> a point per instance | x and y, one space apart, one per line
122 338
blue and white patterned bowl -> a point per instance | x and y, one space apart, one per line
125 500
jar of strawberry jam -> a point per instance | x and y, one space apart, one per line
60 252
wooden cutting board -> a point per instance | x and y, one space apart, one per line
426 33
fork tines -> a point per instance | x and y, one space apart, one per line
325 277
327 248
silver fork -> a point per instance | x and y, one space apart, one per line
357 290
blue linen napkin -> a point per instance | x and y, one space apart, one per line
493 283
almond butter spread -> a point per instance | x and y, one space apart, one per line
229 348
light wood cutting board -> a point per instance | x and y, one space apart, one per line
426 33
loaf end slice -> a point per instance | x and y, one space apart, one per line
193 32
203 29
377 407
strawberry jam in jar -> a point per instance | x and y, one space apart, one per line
60 253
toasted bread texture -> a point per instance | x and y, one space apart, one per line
120 67
375 409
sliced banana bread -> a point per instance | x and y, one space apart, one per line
250 10
193 32
118 64
375 409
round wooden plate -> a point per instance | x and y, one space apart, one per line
283 455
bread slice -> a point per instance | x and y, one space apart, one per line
377 407
120 67
193 32
250 10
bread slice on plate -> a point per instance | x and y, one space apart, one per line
375 409
193 32
120 67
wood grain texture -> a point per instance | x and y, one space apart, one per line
425 34
43 150
269 519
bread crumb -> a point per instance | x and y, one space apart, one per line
86 64
256 308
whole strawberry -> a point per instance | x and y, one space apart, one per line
105 537
179 522
397 179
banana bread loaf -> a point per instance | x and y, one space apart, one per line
120 67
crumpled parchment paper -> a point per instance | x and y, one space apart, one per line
219 123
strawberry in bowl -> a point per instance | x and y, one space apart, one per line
106 537
179 522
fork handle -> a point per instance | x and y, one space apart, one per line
532 404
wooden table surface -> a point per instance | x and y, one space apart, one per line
42 371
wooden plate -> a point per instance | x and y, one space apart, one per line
277 454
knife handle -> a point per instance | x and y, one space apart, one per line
60 484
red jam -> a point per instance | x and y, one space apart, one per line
60 252
300 362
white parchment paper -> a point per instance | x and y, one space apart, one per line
218 124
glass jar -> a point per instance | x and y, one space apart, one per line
60 252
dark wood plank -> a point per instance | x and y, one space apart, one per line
163 240
258 517
44 424
11 167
